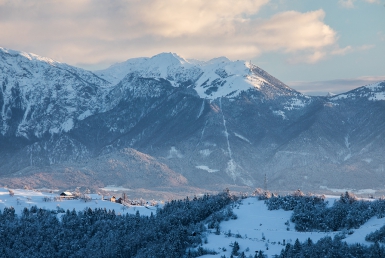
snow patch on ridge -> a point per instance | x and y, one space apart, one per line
242 137
174 153
378 96
296 103
203 167
280 113
202 108
68 125
84 115
231 165
205 152
347 145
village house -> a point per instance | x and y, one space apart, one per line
67 195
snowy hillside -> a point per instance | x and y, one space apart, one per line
258 228
51 201
372 92
248 225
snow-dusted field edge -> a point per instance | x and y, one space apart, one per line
257 228
28 198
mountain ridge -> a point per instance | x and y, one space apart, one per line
214 123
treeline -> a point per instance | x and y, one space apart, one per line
377 236
328 247
101 233
312 213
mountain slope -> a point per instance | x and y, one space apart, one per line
39 95
216 124
127 168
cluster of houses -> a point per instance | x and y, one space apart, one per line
113 199
70 196
128 202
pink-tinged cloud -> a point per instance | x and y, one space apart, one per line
92 32
373 1
294 31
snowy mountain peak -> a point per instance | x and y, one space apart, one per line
224 78
29 56
168 58
221 59
373 92
168 66
218 77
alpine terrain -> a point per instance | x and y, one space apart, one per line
170 124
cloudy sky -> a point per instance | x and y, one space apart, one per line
314 46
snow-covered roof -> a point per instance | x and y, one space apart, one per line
66 193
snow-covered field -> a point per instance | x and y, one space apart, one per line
257 228
28 198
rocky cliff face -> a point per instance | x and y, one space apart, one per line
200 124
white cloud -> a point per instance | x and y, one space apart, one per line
327 52
309 58
346 3
293 31
365 47
177 18
301 34
97 32
350 49
350 3
341 51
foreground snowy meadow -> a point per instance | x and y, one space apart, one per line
258 228
211 226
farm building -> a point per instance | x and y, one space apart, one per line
66 195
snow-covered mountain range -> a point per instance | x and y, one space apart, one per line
167 121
